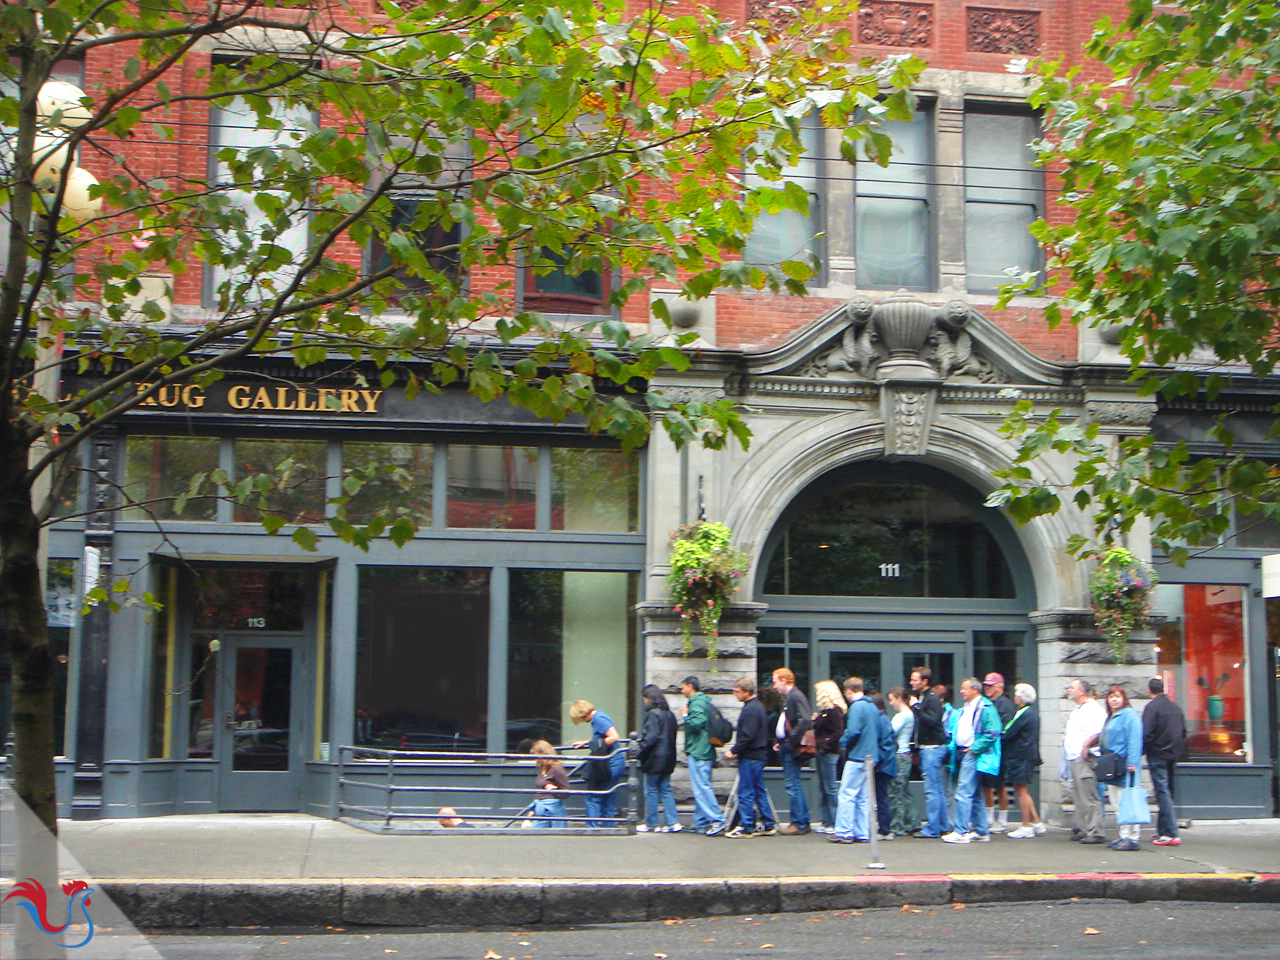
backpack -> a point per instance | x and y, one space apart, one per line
719 730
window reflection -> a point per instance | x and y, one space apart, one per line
158 470
293 473
397 478
595 490
493 487
1202 660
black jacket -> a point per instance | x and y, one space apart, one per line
752 741
930 729
1004 707
1021 739
1164 729
827 729
658 742
799 717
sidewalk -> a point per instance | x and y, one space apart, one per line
290 869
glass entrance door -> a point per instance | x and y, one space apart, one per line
885 664
261 724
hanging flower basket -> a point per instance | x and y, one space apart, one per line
705 572
1120 594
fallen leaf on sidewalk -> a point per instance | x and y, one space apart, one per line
766 946
661 956
1090 930
492 955
908 908
709 940
957 906
672 923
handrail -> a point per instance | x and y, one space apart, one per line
497 817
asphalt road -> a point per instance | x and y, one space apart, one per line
1025 931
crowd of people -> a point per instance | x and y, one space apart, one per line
973 758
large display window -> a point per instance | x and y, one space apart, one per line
1201 656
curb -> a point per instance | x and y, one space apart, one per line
174 904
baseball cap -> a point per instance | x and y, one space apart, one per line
991 678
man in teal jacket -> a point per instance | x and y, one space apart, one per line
975 749
707 816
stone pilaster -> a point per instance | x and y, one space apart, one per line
1069 646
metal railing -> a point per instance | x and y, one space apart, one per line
480 808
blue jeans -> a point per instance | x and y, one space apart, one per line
971 811
828 764
657 793
706 810
751 795
935 790
1162 785
796 800
599 807
853 814
548 807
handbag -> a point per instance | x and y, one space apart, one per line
1133 806
1109 768
808 744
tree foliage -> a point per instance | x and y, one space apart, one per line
1170 170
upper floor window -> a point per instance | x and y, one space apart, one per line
789 234
274 230
560 290
1003 195
892 227
438 241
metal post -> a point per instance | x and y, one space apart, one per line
873 826
391 770
633 784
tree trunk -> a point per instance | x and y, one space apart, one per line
32 670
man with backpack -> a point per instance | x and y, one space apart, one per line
700 716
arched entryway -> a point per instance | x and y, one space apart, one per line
877 567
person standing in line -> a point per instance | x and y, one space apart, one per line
1084 725
861 739
1122 734
886 767
548 806
828 725
931 741
1020 756
602 807
796 718
751 748
708 818
995 791
1164 735
903 722
657 761
975 748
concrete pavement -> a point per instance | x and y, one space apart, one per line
272 869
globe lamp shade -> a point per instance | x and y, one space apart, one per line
62 98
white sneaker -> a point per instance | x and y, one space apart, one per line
954 837
663 829
642 828
976 837
675 828
999 827
885 837
1038 827
1022 833
820 828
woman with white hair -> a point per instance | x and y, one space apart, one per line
828 725
1020 752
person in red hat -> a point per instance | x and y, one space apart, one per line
994 791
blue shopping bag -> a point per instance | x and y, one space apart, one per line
1133 804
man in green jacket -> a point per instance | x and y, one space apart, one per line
707 817
975 749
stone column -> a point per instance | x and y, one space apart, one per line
1070 647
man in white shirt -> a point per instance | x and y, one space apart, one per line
1084 727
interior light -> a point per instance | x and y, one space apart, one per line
1236 666
824 546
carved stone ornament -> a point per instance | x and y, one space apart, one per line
904 330
907 415
895 24
1120 413
1004 31
692 394
777 15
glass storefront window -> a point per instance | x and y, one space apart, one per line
201 699
422 658
1201 656
493 487
397 478
905 539
571 637
158 470
595 490
1002 652
295 471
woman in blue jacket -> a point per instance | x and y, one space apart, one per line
1122 734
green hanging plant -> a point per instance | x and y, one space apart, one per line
705 572
1120 594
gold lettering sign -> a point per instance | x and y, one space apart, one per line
288 398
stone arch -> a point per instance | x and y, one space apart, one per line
788 463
